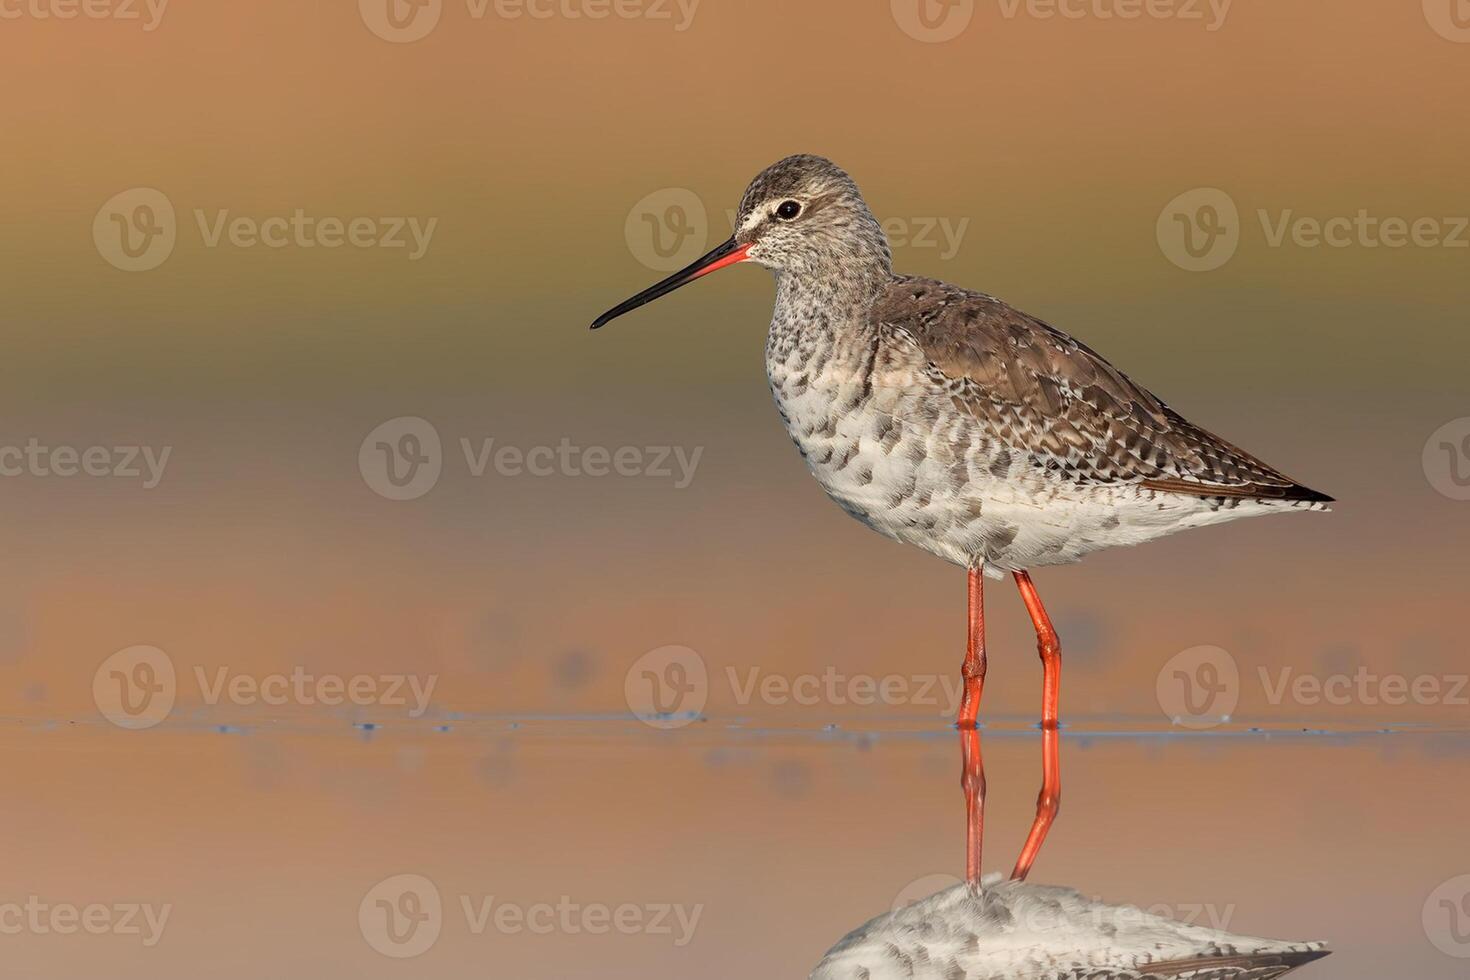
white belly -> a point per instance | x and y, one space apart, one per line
925 477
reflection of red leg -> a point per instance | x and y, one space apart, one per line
1047 804
972 778
1048 646
1050 800
973 669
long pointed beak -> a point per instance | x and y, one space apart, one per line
727 253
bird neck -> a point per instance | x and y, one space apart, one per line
822 316
830 295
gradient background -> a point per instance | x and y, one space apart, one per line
530 140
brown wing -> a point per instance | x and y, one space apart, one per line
1248 966
1047 395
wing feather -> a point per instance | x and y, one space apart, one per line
1052 397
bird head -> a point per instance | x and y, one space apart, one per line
800 216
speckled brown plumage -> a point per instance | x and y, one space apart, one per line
943 418
1046 395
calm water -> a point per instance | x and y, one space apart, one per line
277 845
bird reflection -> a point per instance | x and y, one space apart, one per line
990 928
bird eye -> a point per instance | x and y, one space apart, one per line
788 210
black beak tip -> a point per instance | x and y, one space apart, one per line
686 275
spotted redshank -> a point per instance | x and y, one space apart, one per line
943 418
1012 930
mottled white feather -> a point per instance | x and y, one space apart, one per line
1011 930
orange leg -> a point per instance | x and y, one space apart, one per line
973 669
972 779
1050 800
1048 646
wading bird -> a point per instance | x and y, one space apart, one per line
943 418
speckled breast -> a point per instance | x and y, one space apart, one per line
884 450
